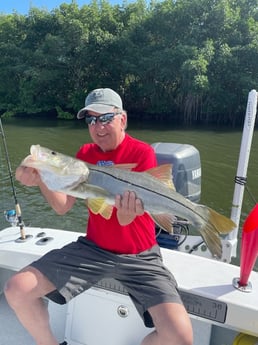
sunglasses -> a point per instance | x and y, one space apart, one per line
103 119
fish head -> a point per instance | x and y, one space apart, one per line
57 170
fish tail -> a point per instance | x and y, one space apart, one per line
214 225
212 241
221 223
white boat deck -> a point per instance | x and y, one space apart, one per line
205 285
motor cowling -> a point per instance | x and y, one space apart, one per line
186 167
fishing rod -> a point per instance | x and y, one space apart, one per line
17 206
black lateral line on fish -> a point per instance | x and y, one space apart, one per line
136 185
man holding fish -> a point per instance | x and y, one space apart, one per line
121 245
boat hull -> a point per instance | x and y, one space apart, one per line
106 311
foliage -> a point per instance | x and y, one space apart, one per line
191 61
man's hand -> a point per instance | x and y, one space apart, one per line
27 176
128 207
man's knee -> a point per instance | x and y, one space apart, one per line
21 285
16 287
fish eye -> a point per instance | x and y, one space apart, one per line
53 153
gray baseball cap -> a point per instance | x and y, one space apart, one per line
101 101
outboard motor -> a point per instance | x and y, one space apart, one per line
186 167
186 175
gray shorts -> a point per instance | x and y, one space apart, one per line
79 265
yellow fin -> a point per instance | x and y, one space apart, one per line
164 221
99 206
95 204
212 240
214 225
164 174
222 223
106 211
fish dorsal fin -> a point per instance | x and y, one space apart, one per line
163 173
124 166
99 206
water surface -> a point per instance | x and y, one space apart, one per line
219 151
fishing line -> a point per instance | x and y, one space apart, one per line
17 206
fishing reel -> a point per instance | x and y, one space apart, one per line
11 217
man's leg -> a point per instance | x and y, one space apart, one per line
24 292
172 325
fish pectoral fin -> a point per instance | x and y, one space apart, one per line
164 174
164 221
99 206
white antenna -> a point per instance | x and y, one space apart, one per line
241 175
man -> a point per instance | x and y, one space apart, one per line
114 247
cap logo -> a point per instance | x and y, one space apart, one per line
97 95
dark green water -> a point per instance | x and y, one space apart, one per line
219 151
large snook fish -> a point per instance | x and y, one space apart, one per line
99 186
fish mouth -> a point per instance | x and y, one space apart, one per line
35 152
35 156
31 159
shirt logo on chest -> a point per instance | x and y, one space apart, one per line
105 163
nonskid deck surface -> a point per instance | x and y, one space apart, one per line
11 331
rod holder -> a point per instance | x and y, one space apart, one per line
244 288
23 239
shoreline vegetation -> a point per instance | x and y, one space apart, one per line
189 62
